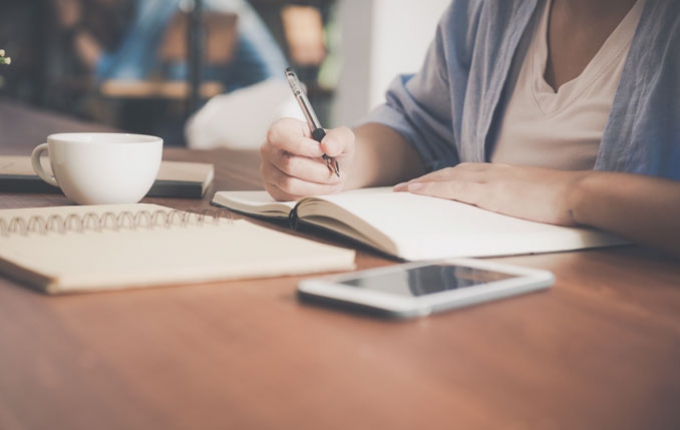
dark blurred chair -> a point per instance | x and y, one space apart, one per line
162 100
221 38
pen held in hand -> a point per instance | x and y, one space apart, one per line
332 164
318 132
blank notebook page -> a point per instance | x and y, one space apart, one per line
424 227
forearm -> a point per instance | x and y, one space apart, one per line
383 157
641 208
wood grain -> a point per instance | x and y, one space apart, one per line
600 350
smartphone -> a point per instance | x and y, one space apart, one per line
420 289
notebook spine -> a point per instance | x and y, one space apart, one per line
293 219
112 221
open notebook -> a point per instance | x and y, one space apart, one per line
81 248
175 178
414 227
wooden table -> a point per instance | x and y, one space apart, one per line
600 350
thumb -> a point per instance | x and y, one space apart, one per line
338 141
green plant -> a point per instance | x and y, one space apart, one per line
3 59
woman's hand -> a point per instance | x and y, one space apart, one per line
292 164
532 193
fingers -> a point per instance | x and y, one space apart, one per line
293 136
292 165
338 141
471 172
466 192
307 169
282 186
463 171
465 182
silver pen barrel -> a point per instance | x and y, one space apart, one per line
303 101
315 127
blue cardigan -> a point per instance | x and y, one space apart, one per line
449 110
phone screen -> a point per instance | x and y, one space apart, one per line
425 280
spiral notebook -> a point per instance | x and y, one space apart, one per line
92 248
414 227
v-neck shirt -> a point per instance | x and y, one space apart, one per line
451 109
562 129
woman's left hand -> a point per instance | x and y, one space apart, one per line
532 193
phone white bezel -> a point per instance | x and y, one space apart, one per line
402 306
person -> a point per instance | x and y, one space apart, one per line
257 58
557 111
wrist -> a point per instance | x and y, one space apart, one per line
579 197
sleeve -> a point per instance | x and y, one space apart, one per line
424 107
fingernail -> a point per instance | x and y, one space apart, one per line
400 187
417 186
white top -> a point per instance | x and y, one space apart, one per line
563 129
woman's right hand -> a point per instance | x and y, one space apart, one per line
292 164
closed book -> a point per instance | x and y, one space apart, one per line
175 178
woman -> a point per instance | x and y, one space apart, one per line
559 111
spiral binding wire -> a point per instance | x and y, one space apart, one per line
111 221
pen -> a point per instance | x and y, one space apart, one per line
318 132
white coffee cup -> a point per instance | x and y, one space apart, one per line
101 168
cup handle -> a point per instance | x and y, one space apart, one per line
37 167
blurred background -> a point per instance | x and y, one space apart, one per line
206 73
